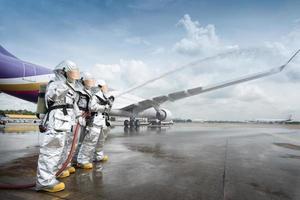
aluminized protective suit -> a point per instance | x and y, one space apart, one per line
99 153
97 106
59 122
83 101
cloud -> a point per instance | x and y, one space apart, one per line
106 71
272 96
251 93
159 50
137 41
285 47
288 43
124 74
296 21
245 101
198 39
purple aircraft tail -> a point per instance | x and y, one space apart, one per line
6 53
18 77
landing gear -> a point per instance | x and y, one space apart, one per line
132 123
126 123
137 123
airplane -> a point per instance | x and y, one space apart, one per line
272 121
22 79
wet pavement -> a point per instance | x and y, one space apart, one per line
185 161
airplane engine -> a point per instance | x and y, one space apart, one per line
163 114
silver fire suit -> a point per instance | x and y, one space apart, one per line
97 106
83 101
59 122
99 153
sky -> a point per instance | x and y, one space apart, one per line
127 42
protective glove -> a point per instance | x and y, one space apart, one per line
107 107
111 98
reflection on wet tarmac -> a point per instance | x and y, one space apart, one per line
156 151
288 146
267 190
291 156
189 161
130 131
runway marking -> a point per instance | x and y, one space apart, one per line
224 170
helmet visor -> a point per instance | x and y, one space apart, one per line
73 74
104 88
89 83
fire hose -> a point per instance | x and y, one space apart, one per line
64 166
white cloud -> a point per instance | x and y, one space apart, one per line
137 41
288 43
106 71
124 74
271 97
251 93
296 21
159 50
198 39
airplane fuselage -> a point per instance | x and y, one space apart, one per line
22 79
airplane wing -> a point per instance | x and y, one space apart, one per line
191 64
156 101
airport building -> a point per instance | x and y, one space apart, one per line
19 118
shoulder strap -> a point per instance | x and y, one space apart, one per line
87 92
102 101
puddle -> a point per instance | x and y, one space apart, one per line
20 167
156 152
290 156
269 191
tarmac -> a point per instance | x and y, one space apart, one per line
184 161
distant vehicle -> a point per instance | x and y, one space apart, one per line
273 121
3 120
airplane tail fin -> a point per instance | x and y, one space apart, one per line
3 51
290 117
